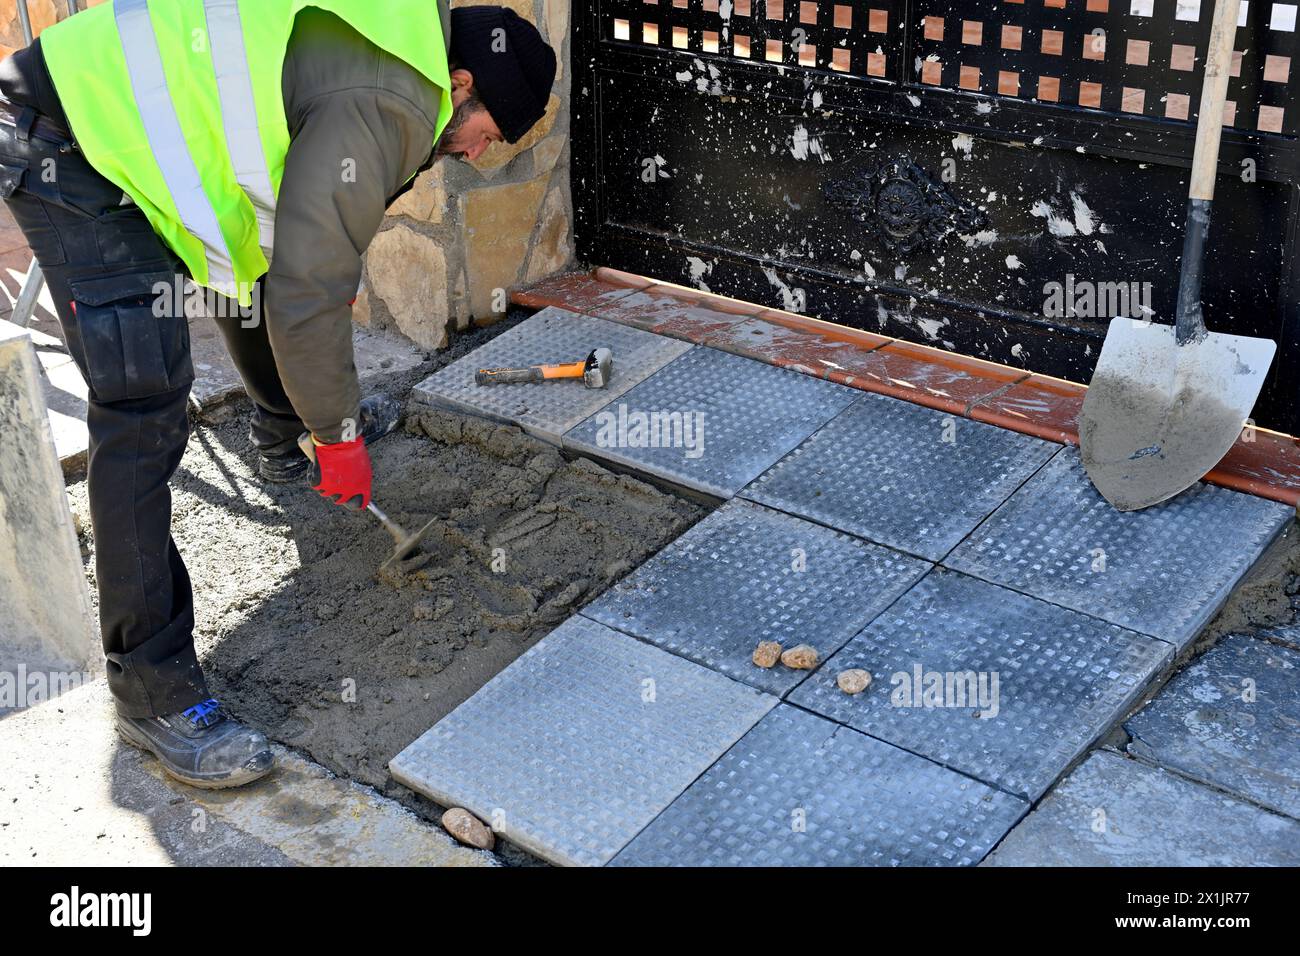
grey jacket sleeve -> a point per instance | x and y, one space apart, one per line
350 151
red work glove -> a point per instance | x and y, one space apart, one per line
341 472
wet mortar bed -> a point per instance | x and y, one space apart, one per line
301 635
304 637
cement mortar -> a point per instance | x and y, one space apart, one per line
1124 420
1266 598
350 665
300 635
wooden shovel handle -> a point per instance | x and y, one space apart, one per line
1189 320
1214 93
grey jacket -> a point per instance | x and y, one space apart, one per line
361 124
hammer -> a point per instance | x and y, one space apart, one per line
594 372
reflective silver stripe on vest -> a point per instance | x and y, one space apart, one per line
239 115
163 129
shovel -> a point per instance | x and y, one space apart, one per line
1166 402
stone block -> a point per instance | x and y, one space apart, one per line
408 270
499 221
39 553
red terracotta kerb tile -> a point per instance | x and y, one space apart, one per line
1262 462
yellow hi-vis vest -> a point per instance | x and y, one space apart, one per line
180 104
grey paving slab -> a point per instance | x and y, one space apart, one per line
575 747
711 421
1230 719
747 574
903 475
553 335
1164 571
799 790
1112 811
997 685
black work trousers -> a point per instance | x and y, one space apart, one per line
118 292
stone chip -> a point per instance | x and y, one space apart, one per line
468 829
853 681
767 654
800 658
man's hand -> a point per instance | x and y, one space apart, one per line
341 472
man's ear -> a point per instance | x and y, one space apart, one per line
461 78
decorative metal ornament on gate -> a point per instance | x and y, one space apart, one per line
904 206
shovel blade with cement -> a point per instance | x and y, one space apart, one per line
1159 415
1167 402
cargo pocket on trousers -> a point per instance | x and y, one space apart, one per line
134 334
28 210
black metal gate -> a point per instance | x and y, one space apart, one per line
993 177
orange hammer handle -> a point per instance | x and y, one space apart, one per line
567 370
533 373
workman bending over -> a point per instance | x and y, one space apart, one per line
252 147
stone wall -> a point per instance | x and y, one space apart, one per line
451 249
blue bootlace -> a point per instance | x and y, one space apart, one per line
204 714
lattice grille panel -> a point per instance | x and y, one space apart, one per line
858 37
1139 57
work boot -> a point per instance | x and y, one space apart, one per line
379 414
201 746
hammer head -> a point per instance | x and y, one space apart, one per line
598 368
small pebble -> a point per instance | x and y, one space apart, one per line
767 654
801 658
853 681
468 829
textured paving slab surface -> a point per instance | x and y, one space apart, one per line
1164 571
575 747
799 790
747 574
1061 680
551 336
1231 719
747 414
910 477
1117 812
